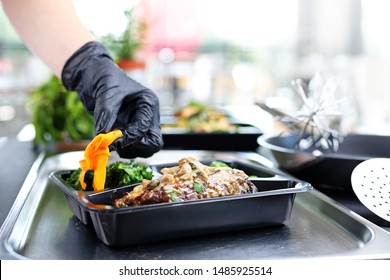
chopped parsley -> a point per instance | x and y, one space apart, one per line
174 197
193 166
198 187
172 194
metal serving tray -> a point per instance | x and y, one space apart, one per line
40 225
271 205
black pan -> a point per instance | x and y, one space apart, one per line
324 168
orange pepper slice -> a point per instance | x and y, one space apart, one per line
96 157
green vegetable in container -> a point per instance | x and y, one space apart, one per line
118 174
121 173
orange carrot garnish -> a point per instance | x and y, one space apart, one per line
96 157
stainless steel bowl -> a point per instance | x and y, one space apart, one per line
324 168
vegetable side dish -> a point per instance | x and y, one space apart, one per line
94 172
118 174
190 180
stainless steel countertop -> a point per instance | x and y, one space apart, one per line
16 160
41 226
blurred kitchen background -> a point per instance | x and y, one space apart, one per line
236 52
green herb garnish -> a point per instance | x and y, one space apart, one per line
174 198
198 187
172 194
193 166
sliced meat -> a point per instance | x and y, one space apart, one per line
190 180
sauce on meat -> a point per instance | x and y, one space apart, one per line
190 180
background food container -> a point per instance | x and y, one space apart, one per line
272 205
242 138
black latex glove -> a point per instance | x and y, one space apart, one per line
115 100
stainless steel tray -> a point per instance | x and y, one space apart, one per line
41 226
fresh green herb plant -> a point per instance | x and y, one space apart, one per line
58 115
130 41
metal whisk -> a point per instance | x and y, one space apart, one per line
318 122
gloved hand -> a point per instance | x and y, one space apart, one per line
115 100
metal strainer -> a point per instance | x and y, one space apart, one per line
371 183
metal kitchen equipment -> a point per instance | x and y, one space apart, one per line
371 184
322 167
317 120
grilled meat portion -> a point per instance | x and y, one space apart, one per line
190 180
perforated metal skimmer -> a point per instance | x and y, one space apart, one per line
371 184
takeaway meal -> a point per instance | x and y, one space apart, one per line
190 180
216 196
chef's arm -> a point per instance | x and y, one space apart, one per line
50 29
